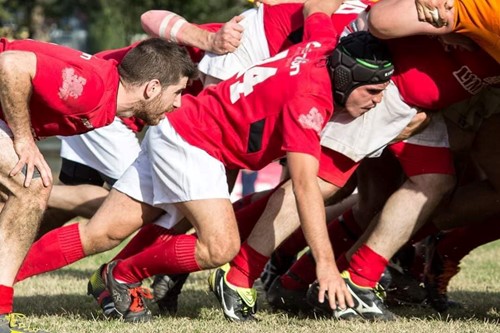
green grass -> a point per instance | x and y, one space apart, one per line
57 302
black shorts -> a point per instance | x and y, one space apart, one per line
74 173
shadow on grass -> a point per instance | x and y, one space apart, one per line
471 306
84 307
81 306
193 304
68 273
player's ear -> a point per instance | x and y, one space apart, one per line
153 88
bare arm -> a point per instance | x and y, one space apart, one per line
416 125
399 18
17 68
303 170
172 27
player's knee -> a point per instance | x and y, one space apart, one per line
97 240
435 185
223 251
31 198
444 184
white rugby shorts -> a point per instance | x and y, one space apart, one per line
169 170
109 150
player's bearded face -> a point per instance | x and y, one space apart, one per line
152 110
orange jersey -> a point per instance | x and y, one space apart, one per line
479 20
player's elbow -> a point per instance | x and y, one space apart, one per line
8 61
379 25
17 62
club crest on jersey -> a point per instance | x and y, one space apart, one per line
72 84
312 120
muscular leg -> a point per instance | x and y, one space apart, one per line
377 179
19 217
405 211
117 218
477 201
216 242
280 219
82 200
216 229
67 202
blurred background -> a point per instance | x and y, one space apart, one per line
95 25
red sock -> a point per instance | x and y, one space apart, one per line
343 232
148 236
458 242
6 299
248 216
295 243
366 267
301 274
176 256
56 249
246 267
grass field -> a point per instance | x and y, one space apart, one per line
57 302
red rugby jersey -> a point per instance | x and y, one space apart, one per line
429 77
73 92
278 105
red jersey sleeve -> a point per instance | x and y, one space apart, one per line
72 92
71 97
319 26
303 120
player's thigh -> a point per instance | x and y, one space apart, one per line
119 216
8 159
218 239
213 219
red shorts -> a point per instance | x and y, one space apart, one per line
418 160
336 168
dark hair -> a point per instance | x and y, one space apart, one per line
156 58
359 59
